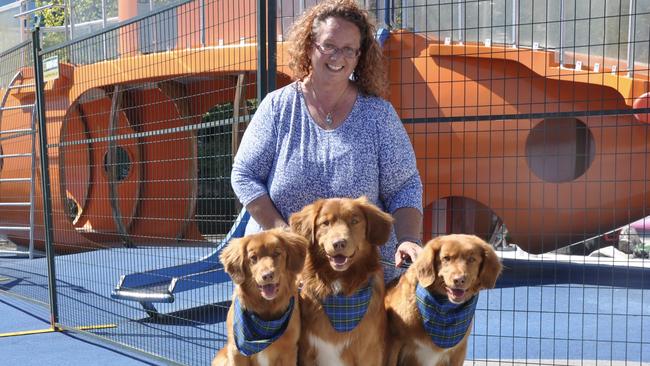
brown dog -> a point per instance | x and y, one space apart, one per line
342 270
444 279
263 267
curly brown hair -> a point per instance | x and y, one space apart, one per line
370 73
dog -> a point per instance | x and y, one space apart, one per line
263 321
431 307
342 270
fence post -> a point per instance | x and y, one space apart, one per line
631 38
387 13
45 175
262 73
272 45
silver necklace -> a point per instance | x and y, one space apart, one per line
329 118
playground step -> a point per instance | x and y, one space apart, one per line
160 285
25 228
22 155
20 130
9 180
18 253
163 289
22 106
20 86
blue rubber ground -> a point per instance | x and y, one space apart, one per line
55 348
533 322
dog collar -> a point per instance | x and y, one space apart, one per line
252 334
346 312
445 322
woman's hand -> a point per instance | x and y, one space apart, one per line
406 251
265 214
408 223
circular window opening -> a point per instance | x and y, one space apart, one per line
122 164
560 149
72 209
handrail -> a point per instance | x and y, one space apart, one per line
44 7
112 28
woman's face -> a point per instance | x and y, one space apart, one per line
341 36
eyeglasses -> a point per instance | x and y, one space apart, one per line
328 49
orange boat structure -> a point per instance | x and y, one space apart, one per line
503 135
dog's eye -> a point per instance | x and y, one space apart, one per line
276 254
471 260
253 258
446 258
325 223
354 221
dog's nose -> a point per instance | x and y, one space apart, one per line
268 276
340 244
459 280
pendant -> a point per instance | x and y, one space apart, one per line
328 119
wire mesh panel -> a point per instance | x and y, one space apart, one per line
21 209
9 26
140 126
522 115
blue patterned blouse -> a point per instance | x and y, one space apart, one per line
286 155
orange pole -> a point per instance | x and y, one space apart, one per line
128 41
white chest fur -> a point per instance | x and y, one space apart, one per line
426 355
262 359
336 287
326 353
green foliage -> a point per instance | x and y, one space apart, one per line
83 11
53 16
52 39
88 10
216 208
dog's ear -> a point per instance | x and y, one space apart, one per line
490 266
378 223
232 258
303 222
296 247
425 264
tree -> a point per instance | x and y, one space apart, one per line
82 11
53 16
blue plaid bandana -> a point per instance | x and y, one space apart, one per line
445 322
252 334
345 312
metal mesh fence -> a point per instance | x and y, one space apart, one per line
9 26
526 135
144 148
529 120
20 194
139 127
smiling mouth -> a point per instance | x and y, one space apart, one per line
269 291
339 262
456 294
334 68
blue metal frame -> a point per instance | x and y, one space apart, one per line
161 285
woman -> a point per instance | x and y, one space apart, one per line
330 134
